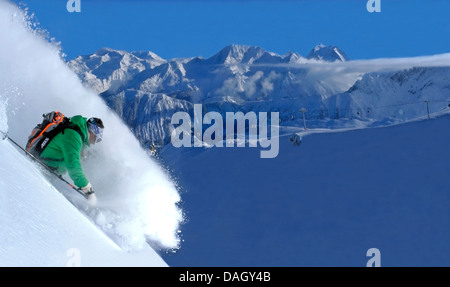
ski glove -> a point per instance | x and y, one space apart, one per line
87 190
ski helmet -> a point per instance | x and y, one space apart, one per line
95 125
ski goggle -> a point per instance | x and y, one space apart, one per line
96 130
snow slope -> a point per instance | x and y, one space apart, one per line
138 200
400 95
324 202
39 227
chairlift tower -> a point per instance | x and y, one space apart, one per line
428 108
303 111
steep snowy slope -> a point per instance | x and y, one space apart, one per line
39 227
35 80
322 203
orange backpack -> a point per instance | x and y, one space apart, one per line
53 123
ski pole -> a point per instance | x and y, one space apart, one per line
5 136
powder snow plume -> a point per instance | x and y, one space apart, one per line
139 200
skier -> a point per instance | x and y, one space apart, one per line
63 153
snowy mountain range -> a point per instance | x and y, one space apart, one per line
145 90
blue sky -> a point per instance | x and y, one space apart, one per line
175 28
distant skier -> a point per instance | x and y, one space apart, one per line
63 151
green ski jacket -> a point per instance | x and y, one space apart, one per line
64 151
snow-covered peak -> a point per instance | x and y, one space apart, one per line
119 59
328 54
109 69
148 55
143 55
293 57
243 54
105 50
237 54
